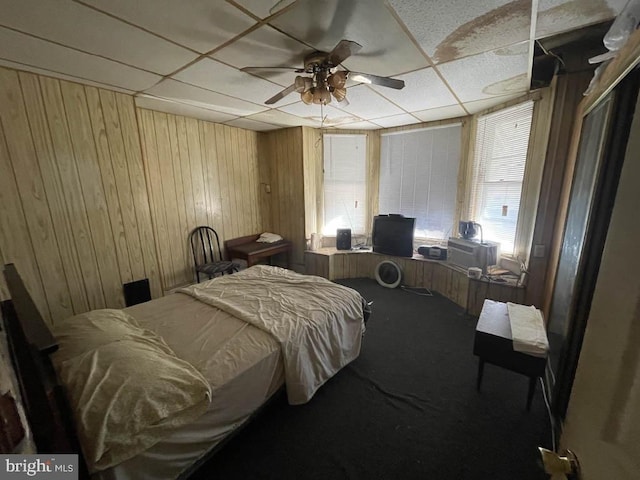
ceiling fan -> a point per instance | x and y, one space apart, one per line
325 79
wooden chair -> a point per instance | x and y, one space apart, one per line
207 256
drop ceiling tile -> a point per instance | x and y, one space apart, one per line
557 16
423 89
60 76
32 52
254 125
396 120
276 117
358 126
262 8
332 115
81 27
201 24
500 72
218 77
480 105
199 97
459 28
265 47
441 113
151 103
386 48
366 103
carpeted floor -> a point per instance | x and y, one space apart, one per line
407 408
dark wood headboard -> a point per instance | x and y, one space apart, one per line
30 344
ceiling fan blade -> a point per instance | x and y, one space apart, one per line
279 96
342 51
377 80
280 5
253 69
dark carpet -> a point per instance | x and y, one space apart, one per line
407 408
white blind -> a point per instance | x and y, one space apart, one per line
345 190
502 140
419 177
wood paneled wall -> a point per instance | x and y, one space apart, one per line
199 173
74 212
83 210
283 151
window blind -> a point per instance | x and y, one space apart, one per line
345 191
419 177
502 141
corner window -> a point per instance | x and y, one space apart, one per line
345 189
502 140
419 178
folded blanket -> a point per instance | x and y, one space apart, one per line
527 330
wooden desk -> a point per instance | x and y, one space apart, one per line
247 248
493 344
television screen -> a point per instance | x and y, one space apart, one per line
393 235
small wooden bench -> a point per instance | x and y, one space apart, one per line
247 248
493 344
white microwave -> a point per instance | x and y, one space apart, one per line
468 253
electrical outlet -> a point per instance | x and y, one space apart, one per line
538 251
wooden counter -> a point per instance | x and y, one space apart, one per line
437 275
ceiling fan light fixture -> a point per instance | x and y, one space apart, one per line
338 79
307 97
340 94
321 95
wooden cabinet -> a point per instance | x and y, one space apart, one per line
439 276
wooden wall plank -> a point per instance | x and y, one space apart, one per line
47 161
126 214
196 154
156 196
26 169
74 200
103 152
14 235
182 230
169 199
140 191
89 172
223 179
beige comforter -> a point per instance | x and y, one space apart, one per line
318 323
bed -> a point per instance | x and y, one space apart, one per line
239 338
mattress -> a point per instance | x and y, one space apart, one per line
242 364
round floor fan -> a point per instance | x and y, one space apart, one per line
388 274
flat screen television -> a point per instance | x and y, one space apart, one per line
393 235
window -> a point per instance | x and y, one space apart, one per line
502 140
345 191
419 177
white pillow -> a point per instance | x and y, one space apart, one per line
126 387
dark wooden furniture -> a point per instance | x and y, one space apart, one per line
493 344
247 248
207 256
31 343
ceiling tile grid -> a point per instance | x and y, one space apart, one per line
177 108
201 25
56 59
459 28
455 57
74 25
199 97
495 73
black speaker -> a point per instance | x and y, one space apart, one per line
136 292
343 239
